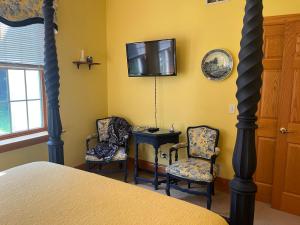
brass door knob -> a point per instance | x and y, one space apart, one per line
283 130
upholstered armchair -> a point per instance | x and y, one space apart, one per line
199 167
111 145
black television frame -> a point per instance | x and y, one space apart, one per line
153 75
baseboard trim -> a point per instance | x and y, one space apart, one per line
221 184
81 167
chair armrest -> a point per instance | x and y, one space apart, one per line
217 151
179 146
175 148
92 136
89 138
213 159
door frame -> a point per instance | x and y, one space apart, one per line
282 19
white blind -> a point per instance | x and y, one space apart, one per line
22 45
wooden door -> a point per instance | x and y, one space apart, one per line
286 183
278 152
266 134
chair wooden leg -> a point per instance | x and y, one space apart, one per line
125 170
87 166
209 193
99 168
168 185
213 188
121 165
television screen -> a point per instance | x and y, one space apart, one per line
152 58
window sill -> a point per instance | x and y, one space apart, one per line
23 141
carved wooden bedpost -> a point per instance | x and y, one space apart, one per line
55 144
249 83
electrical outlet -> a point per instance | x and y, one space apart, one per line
232 108
163 155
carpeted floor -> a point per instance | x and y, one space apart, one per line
264 214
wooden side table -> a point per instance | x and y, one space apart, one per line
156 139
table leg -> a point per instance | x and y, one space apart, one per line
156 169
136 163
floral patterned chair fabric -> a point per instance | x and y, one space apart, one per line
202 142
199 167
194 169
102 127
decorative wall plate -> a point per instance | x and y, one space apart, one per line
217 64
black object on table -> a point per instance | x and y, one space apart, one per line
155 139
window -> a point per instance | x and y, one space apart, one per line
21 101
22 98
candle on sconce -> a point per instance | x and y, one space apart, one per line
82 58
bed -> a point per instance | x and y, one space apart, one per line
47 193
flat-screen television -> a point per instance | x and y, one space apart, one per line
152 58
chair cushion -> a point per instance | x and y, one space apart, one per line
193 169
202 141
120 155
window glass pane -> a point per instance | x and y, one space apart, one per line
18 116
4 118
16 85
3 86
33 84
35 114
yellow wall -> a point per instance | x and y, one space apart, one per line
189 98
82 25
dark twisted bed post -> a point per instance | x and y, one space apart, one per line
55 144
249 83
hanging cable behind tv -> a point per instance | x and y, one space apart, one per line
154 129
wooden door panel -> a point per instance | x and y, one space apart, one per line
272 64
266 155
264 192
298 46
286 183
297 63
273 41
292 184
294 134
295 110
278 154
267 128
274 45
290 203
269 100
267 114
